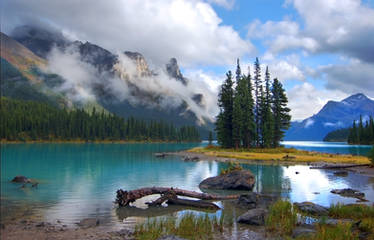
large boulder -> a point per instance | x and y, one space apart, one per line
253 217
21 179
312 208
233 180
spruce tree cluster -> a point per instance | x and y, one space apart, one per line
28 120
253 112
363 133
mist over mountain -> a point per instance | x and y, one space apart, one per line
85 74
334 115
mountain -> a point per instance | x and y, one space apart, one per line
118 83
334 115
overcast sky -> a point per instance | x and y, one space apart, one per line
320 49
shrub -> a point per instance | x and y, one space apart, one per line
281 218
232 167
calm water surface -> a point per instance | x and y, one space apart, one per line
80 180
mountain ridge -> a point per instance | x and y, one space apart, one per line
332 116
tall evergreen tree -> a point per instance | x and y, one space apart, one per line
237 118
268 122
281 114
249 127
224 119
257 84
210 138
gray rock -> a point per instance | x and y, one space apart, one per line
234 180
249 200
21 179
312 208
341 173
170 237
253 217
348 192
89 222
160 155
303 232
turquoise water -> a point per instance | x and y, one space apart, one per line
80 180
329 147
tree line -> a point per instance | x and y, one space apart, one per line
28 120
362 133
253 112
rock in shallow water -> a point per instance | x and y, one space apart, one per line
21 179
348 192
234 180
312 208
253 217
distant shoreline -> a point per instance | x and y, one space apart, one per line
278 155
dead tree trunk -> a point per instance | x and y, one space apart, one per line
124 198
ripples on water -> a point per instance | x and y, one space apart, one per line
80 180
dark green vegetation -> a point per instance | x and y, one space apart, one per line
282 219
248 121
363 133
340 135
360 133
190 226
27 120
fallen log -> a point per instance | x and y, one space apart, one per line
335 166
124 198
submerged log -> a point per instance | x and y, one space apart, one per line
124 198
335 166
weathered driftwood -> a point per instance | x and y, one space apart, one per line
335 166
124 198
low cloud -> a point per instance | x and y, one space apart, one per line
154 91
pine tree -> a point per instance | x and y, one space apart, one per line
281 114
360 131
268 122
237 117
249 127
210 138
257 84
224 119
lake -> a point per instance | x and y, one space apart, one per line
80 180
329 147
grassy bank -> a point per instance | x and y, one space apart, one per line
279 154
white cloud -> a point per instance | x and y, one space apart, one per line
345 27
229 4
189 30
306 100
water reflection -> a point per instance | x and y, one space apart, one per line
80 180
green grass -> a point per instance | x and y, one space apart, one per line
279 154
189 226
281 218
371 155
352 211
342 231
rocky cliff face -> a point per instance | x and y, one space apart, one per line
173 70
142 67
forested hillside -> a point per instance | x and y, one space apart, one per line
27 120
